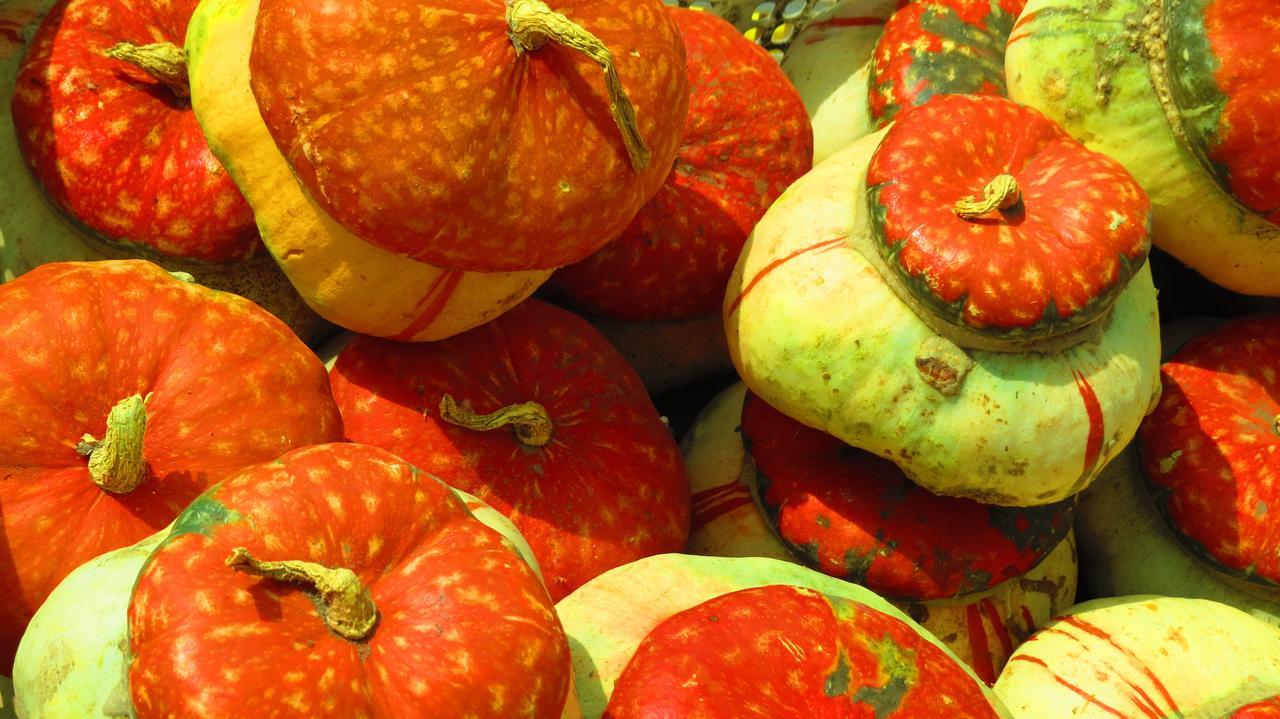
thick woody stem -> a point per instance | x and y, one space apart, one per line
999 194
532 23
529 420
349 610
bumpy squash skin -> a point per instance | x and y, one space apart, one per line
1075 61
829 62
1143 656
343 278
607 618
73 660
33 233
1127 548
982 629
815 331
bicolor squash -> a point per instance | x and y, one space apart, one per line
1181 92
982 351
1145 656
622 624
981 626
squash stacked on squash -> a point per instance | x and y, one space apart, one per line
678 635
1183 93
101 156
537 415
745 139
1187 511
964 293
981 578
127 393
417 169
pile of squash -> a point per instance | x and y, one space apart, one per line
575 358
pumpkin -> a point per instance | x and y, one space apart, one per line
1014 397
981 628
1143 656
1126 547
624 621
1181 92
128 392
103 121
1209 448
340 581
549 158
348 281
1194 489
937 47
746 138
33 233
829 61
792 652
535 414
73 658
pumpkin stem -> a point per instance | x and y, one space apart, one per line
348 608
164 61
532 23
1275 424
529 420
116 463
999 194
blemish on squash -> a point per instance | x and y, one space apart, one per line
942 365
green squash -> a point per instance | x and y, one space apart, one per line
1099 68
73 660
1143 656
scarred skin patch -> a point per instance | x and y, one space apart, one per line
464 627
1053 261
609 488
853 515
791 653
747 137
424 130
1211 448
939 47
116 149
228 384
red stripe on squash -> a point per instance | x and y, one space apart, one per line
709 515
1093 443
1072 687
432 303
764 271
978 646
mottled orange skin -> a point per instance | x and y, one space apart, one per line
791 653
464 628
608 489
854 515
113 147
421 129
1057 259
747 137
230 386
1211 448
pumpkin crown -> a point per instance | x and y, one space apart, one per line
1038 261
